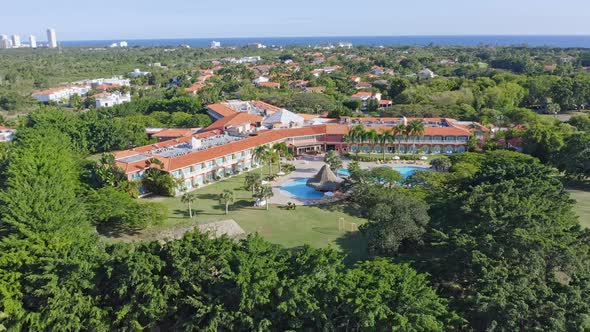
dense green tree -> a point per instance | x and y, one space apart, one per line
581 122
574 157
395 220
47 252
441 164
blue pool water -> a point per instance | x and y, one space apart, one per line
343 172
405 171
298 188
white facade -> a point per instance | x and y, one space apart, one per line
119 44
256 45
426 74
32 41
6 134
115 80
61 94
215 44
112 99
260 79
5 42
51 38
16 41
136 73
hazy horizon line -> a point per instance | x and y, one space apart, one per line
332 36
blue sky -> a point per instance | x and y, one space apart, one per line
134 19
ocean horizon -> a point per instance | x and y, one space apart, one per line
563 41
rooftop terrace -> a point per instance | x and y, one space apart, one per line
195 144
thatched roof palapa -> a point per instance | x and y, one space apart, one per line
325 180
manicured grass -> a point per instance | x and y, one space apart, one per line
582 207
316 226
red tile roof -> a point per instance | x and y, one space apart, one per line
234 120
221 109
195 87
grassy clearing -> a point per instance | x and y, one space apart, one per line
582 206
316 226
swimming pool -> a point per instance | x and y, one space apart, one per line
343 172
405 171
298 188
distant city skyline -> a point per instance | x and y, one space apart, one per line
148 19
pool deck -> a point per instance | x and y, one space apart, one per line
308 167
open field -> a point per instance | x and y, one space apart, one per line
582 207
316 226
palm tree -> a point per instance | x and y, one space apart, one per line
226 198
384 137
189 198
417 131
407 131
372 137
264 192
398 131
349 139
261 155
281 149
252 182
357 134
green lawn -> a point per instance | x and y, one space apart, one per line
582 198
313 225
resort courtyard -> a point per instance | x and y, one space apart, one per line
318 223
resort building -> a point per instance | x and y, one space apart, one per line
364 97
226 147
6 134
107 99
61 94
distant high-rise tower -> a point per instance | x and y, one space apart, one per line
51 38
4 41
15 41
32 41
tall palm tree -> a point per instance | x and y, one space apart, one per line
407 132
417 131
398 131
226 198
349 139
385 137
189 198
372 137
281 149
265 193
357 135
261 155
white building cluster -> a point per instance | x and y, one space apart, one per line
119 44
246 59
137 73
107 99
114 81
61 95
